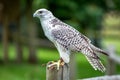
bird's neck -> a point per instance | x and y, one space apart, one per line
47 27
46 24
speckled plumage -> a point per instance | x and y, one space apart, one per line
67 39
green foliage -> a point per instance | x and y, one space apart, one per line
38 4
22 72
117 4
76 9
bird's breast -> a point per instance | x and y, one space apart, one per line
47 27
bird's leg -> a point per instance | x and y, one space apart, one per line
59 63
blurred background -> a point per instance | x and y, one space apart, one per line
24 49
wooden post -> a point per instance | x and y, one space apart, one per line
54 74
72 67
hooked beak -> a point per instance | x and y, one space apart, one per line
35 14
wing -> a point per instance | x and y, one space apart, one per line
72 39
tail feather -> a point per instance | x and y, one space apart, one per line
98 50
96 64
94 60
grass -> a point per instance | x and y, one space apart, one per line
25 71
19 72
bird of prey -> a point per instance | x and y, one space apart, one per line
67 39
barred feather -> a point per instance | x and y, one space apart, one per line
96 64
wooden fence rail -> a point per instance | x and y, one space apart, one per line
113 59
113 77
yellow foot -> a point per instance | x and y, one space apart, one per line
57 64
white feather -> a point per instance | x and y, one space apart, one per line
64 54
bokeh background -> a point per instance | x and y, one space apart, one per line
24 50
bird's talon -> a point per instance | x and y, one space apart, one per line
57 64
62 63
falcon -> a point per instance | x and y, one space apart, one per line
67 40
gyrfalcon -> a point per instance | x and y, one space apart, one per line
67 39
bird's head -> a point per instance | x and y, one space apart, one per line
43 14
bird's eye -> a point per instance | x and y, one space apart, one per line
40 12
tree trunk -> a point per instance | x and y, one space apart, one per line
72 67
5 38
31 32
18 42
32 46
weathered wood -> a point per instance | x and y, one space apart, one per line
54 74
111 64
113 77
111 67
72 67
